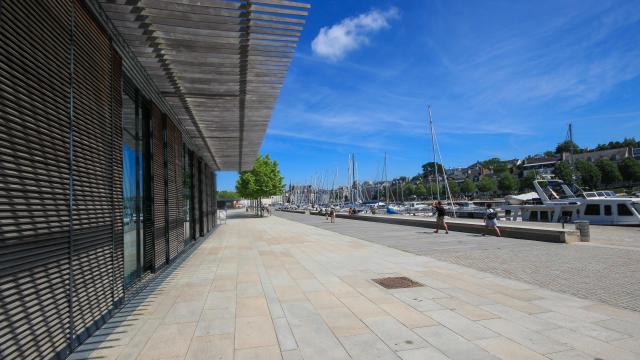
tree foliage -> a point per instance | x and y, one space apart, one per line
526 183
589 175
468 187
228 195
420 190
262 181
429 169
454 188
563 171
629 169
507 183
487 184
408 190
609 172
567 146
627 142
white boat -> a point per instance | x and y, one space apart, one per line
521 199
468 209
417 206
557 203
598 194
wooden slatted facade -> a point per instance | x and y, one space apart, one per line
159 194
34 177
68 70
61 227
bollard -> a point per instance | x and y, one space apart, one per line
583 227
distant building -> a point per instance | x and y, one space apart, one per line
614 155
636 153
540 165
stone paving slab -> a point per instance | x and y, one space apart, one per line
600 272
275 289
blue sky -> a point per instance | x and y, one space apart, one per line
503 78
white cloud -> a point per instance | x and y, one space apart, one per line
336 41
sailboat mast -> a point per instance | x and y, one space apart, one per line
386 185
571 158
433 149
436 148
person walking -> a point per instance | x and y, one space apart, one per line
491 220
332 215
440 214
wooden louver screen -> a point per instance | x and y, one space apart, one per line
174 189
159 196
34 177
93 207
60 177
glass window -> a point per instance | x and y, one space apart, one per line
544 216
623 210
637 207
607 210
130 190
186 193
533 216
592 209
133 187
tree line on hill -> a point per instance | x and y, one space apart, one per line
506 179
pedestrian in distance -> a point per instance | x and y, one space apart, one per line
491 220
440 214
332 215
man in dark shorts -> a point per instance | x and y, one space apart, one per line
440 213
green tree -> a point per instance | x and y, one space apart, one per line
567 146
549 154
262 181
563 171
430 169
432 190
468 187
608 171
491 163
526 183
487 184
589 175
454 188
420 191
629 169
408 190
227 195
507 183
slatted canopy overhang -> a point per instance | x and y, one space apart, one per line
219 65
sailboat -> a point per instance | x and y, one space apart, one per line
437 155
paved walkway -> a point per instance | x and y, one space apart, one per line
276 289
593 271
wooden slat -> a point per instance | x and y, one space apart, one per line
34 220
253 40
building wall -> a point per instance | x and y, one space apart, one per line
61 176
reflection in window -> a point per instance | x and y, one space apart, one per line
623 210
129 189
186 193
592 210
132 188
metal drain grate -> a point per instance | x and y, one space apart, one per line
400 282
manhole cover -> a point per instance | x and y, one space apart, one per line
400 282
